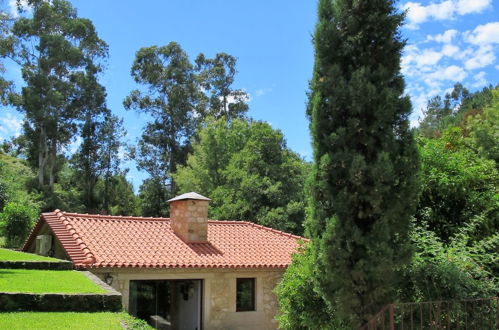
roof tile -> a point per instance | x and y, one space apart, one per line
93 241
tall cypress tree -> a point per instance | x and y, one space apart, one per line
365 187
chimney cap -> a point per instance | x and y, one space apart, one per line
189 195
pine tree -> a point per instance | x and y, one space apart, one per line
364 181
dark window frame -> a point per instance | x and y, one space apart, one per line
251 308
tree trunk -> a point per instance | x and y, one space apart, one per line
172 167
42 156
106 181
53 154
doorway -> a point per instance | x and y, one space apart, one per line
167 304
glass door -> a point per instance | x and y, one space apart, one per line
167 304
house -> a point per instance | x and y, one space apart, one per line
182 272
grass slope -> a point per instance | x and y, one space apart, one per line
46 281
10 255
56 321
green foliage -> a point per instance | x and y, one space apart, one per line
248 172
453 109
58 53
98 159
300 304
15 175
16 221
153 195
456 185
462 269
484 129
21 207
132 323
7 44
365 186
172 99
216 76
120 195
4 197
441 113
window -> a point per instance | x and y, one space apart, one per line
245 294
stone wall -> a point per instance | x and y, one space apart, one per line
219 293
43 265
189 220
110 301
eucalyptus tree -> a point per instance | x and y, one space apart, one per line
90 97
58 53
216 76
111 146
171 97
7 45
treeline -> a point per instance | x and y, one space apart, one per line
198 136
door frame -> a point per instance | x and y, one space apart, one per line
201 293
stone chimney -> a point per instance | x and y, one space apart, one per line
189 217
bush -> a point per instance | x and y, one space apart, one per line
456 185
460 270
300 304
15 223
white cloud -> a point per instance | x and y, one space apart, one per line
428 57
417 13
13 7
479 79
483 34
464 54
445 37
11 126
444 10
450 50
472 6
263 91
483 57
417 60
452 73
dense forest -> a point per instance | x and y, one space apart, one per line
200 138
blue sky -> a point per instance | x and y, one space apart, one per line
448 41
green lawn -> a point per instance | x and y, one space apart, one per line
9 255
35 320
46 281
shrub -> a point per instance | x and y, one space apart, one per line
460 270
300 304
456 185
15 223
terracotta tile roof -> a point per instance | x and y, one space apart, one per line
93 241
